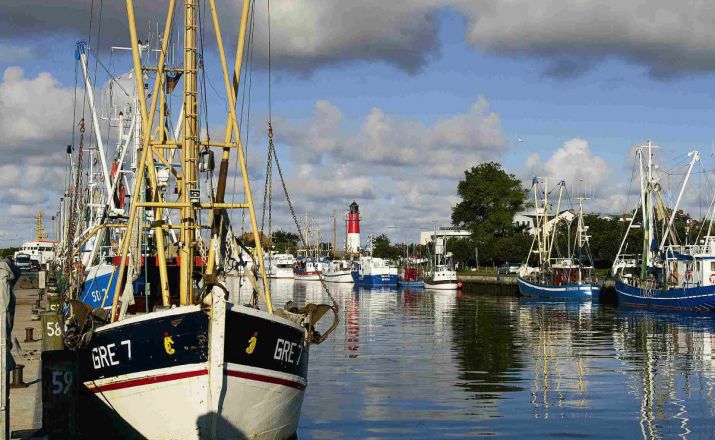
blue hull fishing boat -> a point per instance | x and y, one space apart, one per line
568 291
374 280
569 277
410 277
667 274
96 286
694 298
416 283
373 272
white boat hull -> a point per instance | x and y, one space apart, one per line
230 393
442 286
281 274
338 277
307 276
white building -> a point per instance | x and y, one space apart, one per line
527 219
428 236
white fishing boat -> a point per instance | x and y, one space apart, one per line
442 275
338 271
280 266
196 366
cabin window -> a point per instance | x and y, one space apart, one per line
712 266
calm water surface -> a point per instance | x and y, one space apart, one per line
421 364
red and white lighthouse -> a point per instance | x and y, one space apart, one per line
352 241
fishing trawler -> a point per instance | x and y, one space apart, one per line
669 273
567 277
196 365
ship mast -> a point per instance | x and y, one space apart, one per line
190 141
189 197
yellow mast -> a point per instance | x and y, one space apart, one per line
40 230
190 141
186 179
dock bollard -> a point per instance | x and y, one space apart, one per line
28 334
17 380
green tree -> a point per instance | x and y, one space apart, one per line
490 199
382 248
285 242
8 252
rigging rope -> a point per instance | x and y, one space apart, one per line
273 155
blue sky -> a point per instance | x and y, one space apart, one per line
533 84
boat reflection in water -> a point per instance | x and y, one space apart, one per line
420 364
669 358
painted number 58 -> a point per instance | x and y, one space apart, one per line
53 329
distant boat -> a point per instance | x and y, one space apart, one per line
569 277
280 266
442 275
666 274
372 271
338 271
411 277
308 270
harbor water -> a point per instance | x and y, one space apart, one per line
421 364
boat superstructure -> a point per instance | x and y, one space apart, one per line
195 366
280 266
668 273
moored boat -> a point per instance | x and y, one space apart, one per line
667 274
371 271
442 277
280 266
411 277
442 274
196 365
308 270
338 271
570 277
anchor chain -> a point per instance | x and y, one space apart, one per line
75 206
272 153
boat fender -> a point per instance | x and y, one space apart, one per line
688 275
712 278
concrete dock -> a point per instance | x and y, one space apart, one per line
25 407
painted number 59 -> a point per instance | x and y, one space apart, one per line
61 382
